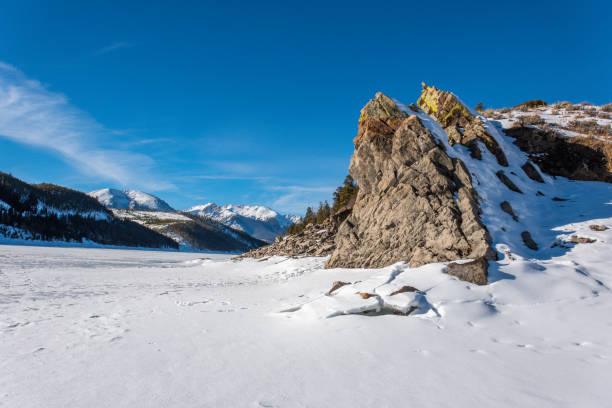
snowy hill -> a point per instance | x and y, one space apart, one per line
258 221
192 231
129 199
47 212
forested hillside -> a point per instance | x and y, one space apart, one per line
50 212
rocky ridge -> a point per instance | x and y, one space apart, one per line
424 197
415 203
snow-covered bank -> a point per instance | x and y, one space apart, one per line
99 328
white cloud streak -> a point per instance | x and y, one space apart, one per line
113 47
32 115
295 199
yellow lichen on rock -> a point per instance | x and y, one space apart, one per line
459 123
381 107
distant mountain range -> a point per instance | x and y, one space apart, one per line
46 212
129 200
192 232
258 221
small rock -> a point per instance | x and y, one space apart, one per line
405 289
504 179
582 240
531 172
528 241
559 199
474 271
337 285
507 208
596 227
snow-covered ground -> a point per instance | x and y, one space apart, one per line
129 199
126 328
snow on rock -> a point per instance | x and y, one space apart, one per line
258 221
129 199
4 206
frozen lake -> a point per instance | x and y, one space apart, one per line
127 328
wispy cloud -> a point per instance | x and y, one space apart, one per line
32 115
229 177
113 47
295 199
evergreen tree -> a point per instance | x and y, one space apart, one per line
345 192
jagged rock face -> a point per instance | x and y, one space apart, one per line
314 240
578 158
415 203
456 119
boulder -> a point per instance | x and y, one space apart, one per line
475 271
415 203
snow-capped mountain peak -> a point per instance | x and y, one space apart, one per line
129 200
257 220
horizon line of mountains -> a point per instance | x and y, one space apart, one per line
132 218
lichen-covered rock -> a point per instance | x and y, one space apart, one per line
314 240
459 123
381 107
415 203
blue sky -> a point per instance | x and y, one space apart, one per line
257 102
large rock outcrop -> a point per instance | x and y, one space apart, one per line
459 123
415 203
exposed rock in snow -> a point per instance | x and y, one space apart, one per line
258 221
129 199
579 157
474 271
415 203
315 240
